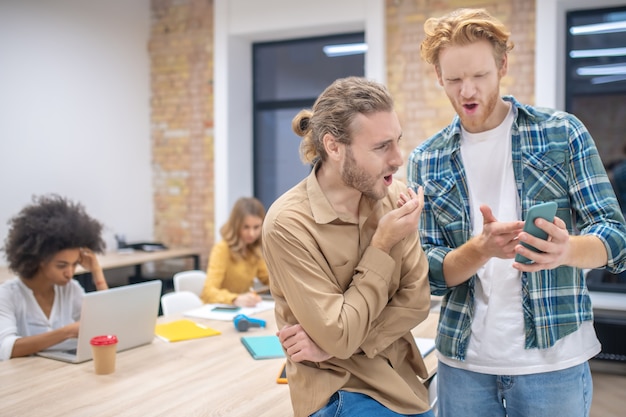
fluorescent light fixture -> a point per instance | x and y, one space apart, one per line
608 27
608 79
345 49
592 53
615 69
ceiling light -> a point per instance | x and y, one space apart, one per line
608 27
616 69
345 49
608 79
592 53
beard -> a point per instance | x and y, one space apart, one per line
479 122
357 178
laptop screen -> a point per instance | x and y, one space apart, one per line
129 312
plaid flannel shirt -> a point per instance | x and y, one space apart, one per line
554 159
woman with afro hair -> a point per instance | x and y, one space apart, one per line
40 307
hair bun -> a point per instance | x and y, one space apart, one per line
301 123
304 124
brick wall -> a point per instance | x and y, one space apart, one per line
181 54
422 105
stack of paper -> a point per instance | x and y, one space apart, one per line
217 312
183 329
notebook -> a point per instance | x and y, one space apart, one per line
263 347
183 329
129 312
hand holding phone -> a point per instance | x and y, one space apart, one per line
545 211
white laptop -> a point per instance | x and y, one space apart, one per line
129 312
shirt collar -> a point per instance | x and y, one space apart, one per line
323 212
321 209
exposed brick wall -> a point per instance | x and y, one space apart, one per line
422 105
181 53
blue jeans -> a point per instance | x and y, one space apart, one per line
354 404
560 393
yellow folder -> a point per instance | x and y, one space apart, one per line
183 329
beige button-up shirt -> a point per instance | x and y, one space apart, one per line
356 302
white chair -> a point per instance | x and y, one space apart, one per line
179 301
190 281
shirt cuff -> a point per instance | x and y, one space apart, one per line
378 262
6 347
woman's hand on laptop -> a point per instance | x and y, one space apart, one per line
29 345
72 330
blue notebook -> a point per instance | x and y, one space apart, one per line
263 347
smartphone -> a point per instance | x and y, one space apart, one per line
282 376
226 308
545 211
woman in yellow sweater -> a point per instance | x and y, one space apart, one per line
236 260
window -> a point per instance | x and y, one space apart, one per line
595 92
288 76
595 88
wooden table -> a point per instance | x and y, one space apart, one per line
213 376
137 258
113 260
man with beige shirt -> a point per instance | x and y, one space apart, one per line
346 267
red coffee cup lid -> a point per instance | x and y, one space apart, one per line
109 339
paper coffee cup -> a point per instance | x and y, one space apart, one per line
104 350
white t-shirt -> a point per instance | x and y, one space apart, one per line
496 344
20 315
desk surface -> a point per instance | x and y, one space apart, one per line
211 376
112 260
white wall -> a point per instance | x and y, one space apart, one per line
75 109
239 24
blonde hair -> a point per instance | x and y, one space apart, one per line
333 112
230 231
464 27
